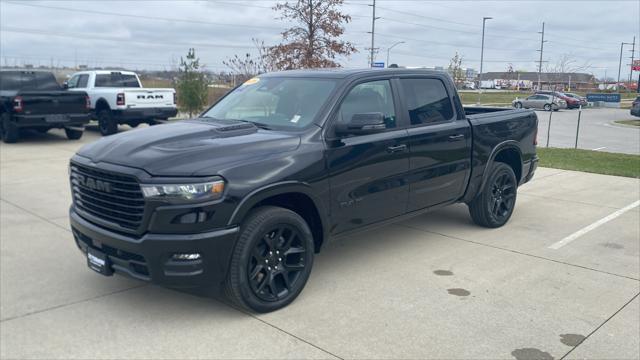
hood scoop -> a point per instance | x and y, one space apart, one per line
229 128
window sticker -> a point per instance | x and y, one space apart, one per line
251 81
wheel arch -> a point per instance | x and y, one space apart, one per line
102 104
295 196
507 152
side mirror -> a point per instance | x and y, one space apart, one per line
362 123
65 85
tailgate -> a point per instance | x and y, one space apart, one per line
149 98
53 102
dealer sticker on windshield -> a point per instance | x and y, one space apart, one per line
251 81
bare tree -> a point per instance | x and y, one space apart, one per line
250 65
559 74
455 70
314 42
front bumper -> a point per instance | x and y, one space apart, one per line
57 120
148 258
145 113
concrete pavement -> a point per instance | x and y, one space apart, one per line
598 130
435 286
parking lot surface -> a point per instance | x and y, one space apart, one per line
435 286
598 130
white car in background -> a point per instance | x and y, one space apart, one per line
117 97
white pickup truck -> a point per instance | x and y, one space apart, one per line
117 97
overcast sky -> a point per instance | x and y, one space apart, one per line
154 34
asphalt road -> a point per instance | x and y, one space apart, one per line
597 130
435 286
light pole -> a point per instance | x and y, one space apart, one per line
484 20
391 47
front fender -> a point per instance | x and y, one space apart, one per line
268 191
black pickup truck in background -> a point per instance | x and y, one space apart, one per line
35 100
242 198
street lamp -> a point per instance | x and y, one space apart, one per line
484 20
391 47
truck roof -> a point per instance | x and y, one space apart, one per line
341 73
105 72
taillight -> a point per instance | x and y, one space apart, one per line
175 98
535 136
87 102
120 99
17 104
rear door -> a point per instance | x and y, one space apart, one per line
368 172
439 141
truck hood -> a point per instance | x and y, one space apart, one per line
199 147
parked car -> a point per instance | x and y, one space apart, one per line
117 97
540 101
241 198
571 102
35 100
635 107
581 99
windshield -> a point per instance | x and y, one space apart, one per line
275 102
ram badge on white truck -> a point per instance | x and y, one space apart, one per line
117 97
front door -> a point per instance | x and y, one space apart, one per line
367 172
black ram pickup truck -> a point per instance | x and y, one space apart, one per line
241 198
35 100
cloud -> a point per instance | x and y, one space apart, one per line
154 34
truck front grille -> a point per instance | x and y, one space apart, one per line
107 196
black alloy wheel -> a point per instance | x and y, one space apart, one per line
106 123
503 196
271 261
493 206
277 263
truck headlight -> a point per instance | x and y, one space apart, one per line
195 192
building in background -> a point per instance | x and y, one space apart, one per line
529 81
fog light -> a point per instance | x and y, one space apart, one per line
192 256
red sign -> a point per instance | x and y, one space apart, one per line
636 65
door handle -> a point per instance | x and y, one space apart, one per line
398 148
456 137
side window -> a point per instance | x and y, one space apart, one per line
73 82
427 101
82 81
370 97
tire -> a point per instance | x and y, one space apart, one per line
518 105
9 132
106 123
73 134
492 208
547 107
278 280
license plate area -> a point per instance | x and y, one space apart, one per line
99 262
56 118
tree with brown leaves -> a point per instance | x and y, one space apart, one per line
314 42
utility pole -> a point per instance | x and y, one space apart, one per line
622 44
542 41
373 34
633 52
484 20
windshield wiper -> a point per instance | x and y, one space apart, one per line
257 124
